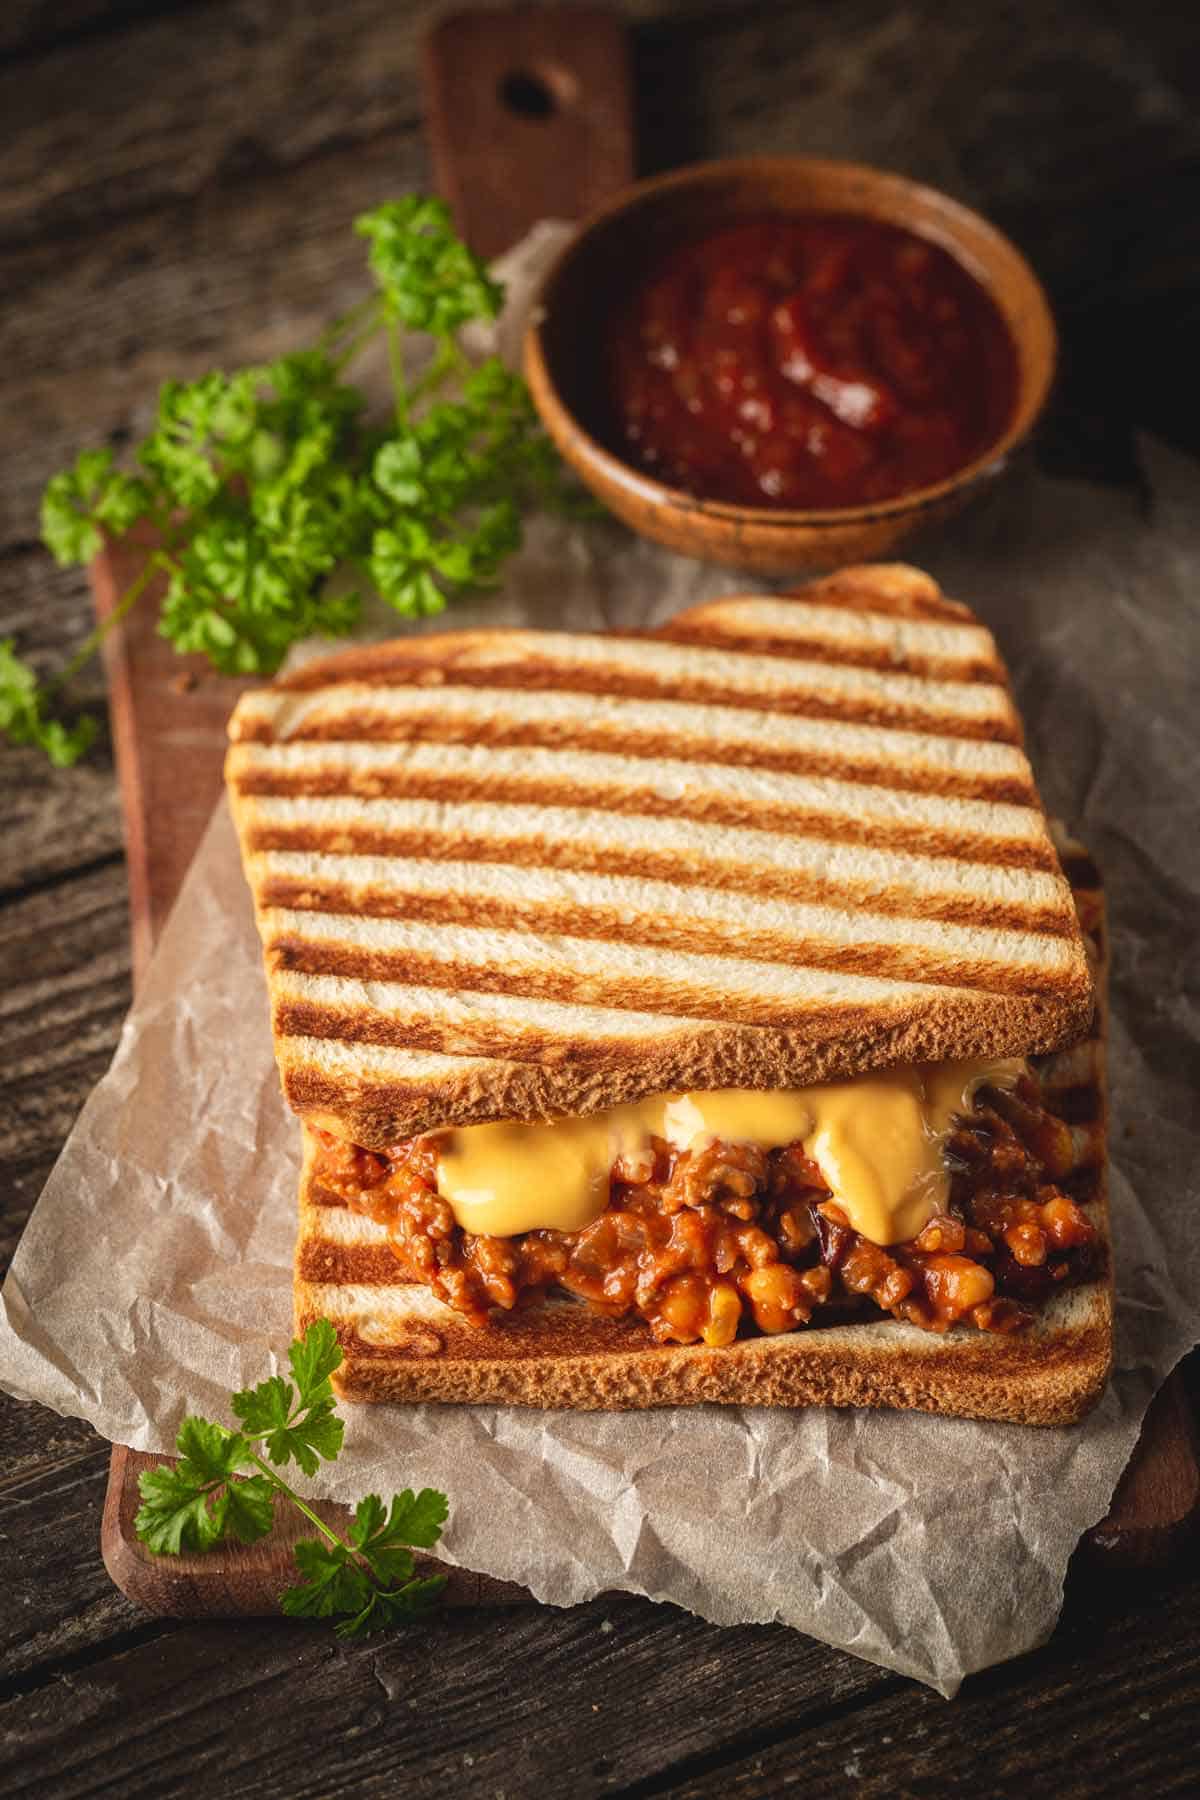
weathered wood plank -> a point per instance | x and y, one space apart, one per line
236 278
246 86
578 1703
616 1697
1109 1707
58 1600
28 28
238 85
52 820
64 950
155 114
244 267
240 277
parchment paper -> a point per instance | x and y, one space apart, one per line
155 1273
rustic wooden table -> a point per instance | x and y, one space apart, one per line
175 185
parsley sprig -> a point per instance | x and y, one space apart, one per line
275 502
367 1579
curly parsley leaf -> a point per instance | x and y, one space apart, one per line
84 499
390 1607
23 717
333 1582
428 278
266 486
204 429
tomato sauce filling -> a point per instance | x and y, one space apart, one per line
707 1243
818 361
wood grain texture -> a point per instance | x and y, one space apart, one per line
1155 1508
65 952
236 275
168 717
236 92
58 1599
174 231
579 1704
613 1698
1074 1709
529 117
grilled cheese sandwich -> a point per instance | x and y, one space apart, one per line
677 974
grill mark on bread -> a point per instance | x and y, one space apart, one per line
461 1017
927 840
808 805
484 960
292 949
650 667
896 711
514 1040
831 616
1013 786
749 879
939 650
697 920
304 957
940 647
884 887
515 1036
675 726
342 1265
858 656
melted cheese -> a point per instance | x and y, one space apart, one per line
877 1140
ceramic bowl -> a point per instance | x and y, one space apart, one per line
617 244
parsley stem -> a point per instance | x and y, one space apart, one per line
351 318
325 1530
396 364
153 564
447 358
351 348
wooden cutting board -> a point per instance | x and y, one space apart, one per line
530 117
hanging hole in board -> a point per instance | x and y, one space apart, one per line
537 94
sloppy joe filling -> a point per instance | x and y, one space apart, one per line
711 1241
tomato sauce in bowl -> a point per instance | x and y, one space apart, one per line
807 362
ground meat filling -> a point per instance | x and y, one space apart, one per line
703 1244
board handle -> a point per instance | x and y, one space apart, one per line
529 116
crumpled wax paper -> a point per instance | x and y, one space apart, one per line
155 1273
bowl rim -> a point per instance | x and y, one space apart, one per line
1027 409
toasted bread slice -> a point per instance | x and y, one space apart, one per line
401 1343
519 874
